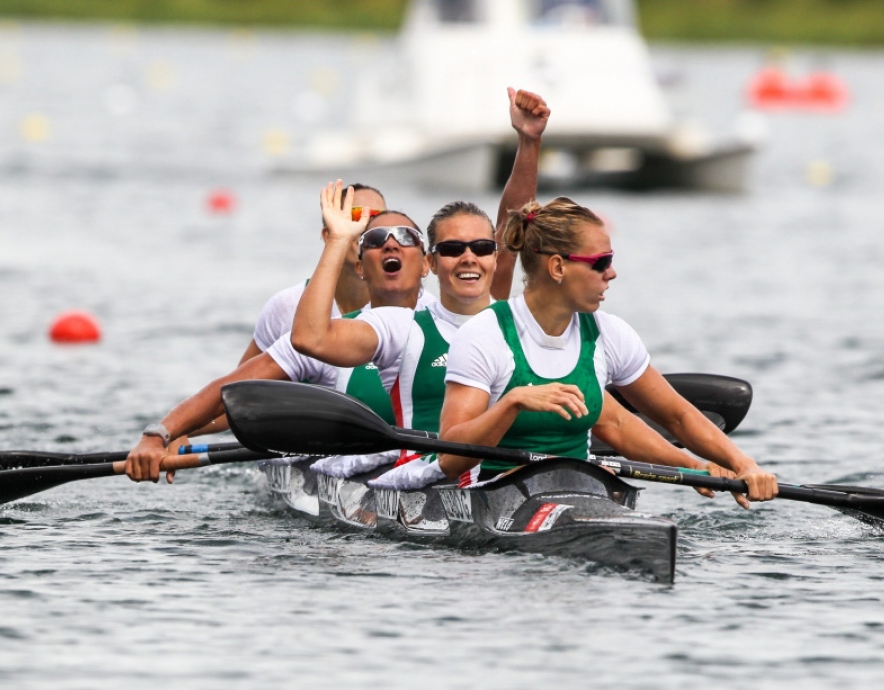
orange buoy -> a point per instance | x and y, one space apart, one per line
221 201
75 327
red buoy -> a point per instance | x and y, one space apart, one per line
822 91
75 327
770 89
221 201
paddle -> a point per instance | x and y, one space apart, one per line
13 459
724 400
289 418
16 484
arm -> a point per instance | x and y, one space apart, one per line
195 412
251 351
528 115
466 417
652 394
341 342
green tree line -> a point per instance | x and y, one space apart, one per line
832 22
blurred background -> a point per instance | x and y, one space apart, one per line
160 164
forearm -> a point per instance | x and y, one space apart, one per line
216 426
312 322
634 439
520 188
703 438
487 429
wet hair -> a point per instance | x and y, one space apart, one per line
554 227
455 208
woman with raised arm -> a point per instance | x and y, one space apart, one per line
409 348
531 372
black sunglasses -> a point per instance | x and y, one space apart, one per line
377 237
597 262
458 247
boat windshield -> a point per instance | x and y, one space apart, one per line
586 12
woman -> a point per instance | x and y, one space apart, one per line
530 372
409 348
401 288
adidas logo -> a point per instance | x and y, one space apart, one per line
371 365
441 361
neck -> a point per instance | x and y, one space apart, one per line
395 299
466 306
546 307
351 292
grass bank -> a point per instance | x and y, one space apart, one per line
818 22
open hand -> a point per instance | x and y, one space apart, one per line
337 209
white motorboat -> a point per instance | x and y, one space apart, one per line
441 120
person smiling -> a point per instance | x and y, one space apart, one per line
410 348
531 372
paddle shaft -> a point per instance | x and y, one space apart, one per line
14 459
16 484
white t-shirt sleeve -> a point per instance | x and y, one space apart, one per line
479 356
299 367
276 316
392 326
627 355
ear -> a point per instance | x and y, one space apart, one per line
431 261
426 268
358 268
556 268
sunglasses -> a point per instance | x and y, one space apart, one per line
458 247
597 262
377 237
356 212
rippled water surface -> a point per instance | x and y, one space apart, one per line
210 583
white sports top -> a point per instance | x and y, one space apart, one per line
277 315
479 356
399 336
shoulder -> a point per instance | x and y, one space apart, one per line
390 316
287 296
609 324
425 299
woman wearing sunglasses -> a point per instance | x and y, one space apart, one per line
393 278
408 347
531 372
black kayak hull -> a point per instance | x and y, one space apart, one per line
558 508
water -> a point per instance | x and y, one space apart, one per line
210 583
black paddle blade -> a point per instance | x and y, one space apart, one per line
725 396
865 504
298 418
16 484
14 459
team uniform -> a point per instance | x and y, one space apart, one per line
410 358
362 383
505 347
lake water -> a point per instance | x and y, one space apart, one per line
112 141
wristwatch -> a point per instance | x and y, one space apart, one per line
158 430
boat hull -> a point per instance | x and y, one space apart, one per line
561 508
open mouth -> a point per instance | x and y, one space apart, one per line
391 264
467 275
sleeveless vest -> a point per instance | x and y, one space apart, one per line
547 432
